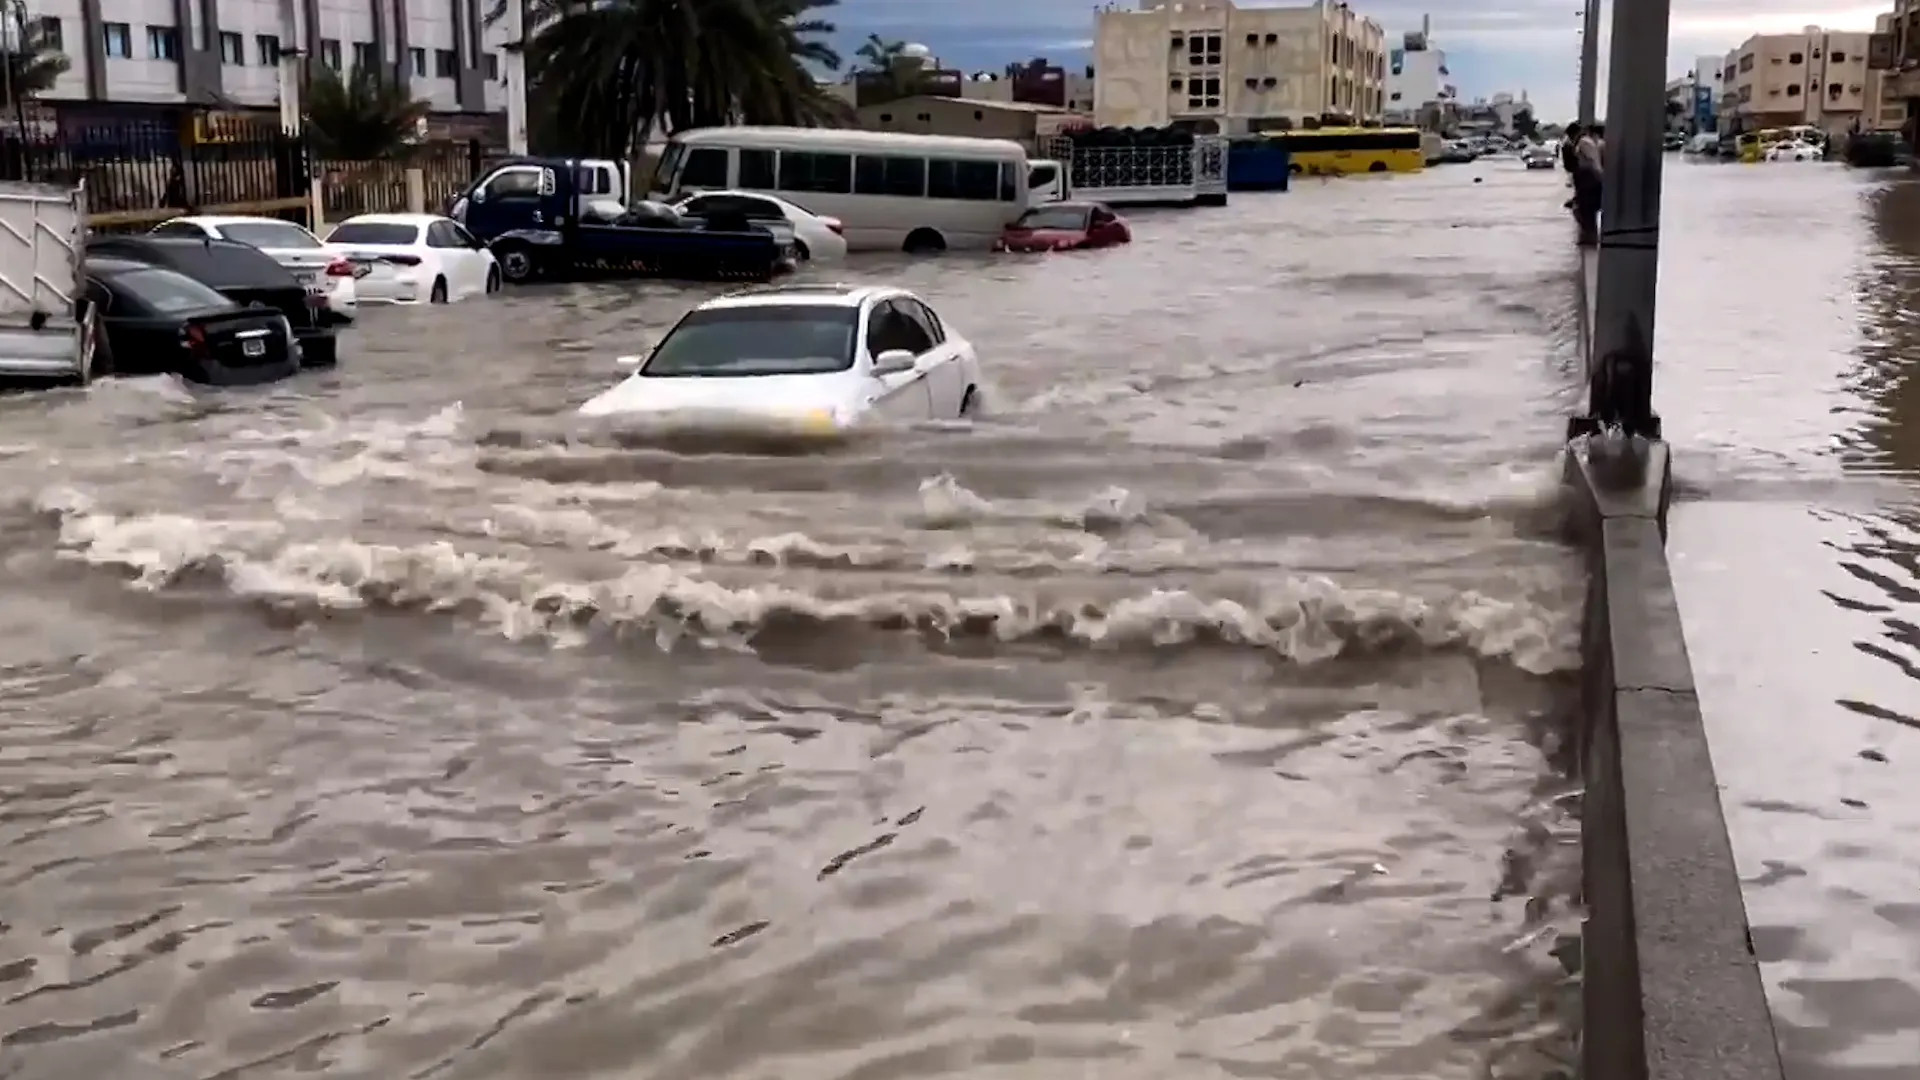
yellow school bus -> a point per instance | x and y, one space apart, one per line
1338 151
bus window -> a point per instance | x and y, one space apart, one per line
706 167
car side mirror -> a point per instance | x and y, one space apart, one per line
628 363
893 362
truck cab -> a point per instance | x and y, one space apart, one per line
546 217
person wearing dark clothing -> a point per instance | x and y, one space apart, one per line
1567 142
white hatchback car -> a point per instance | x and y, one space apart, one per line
822 357
415 258
1795 150
816 238
323 272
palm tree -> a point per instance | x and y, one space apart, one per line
31 68
605 75
878 53
360 118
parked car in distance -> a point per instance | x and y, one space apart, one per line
415 258
156 321
1795 150
815 358
1065 226
292 246
816 238
240 272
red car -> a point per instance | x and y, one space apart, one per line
1065 226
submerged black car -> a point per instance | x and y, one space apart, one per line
242 273
158 321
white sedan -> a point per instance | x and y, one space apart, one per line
816 238
813 357
1795 150
415 258
323 272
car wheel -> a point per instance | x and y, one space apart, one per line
924 241
439 293
800 250
493 280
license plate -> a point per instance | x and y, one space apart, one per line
253 348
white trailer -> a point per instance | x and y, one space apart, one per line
45 333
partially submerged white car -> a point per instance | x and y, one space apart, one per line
814 357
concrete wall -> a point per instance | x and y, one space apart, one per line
1672 990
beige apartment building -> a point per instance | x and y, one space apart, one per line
1816 77
1886 108
1221 68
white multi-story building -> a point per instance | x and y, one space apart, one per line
228 53
1228 69
1417 76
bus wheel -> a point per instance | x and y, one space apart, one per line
1378 166
924 241
1296 170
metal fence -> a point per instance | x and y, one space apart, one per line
138 175
380 187
1200 166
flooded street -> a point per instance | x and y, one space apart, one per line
1791 400
1192 715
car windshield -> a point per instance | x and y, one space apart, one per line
798 339
383 233
269 234
1053 217
166 292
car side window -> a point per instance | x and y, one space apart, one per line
98 296
179 228
904 331
880 333
924 320
440 236
461 237
762 210
1101 216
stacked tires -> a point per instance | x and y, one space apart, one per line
1111 157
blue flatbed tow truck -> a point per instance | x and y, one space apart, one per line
545 218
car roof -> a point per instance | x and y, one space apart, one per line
821 294
391 219
220 263
107 266
218 220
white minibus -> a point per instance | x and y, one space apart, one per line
891 192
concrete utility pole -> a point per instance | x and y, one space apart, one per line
292 58
516 71
1589 60
1622 380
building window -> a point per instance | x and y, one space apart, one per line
418 57
1746 62
1838 57
268 46
1203 93
48 29
445 63
163 43
491 61
233 49
1794 90
365 56
1796 58
330 53
1833 89
117 37
1396 95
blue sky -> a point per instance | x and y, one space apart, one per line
1511 45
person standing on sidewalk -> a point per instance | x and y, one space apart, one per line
1589 161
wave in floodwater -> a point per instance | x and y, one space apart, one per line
654 586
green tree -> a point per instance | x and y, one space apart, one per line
31 68
878 54
1524 125
361 117
603 77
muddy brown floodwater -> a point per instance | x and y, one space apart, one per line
1192 715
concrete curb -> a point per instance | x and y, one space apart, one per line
1672 990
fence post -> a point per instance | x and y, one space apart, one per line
317 204
416 190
